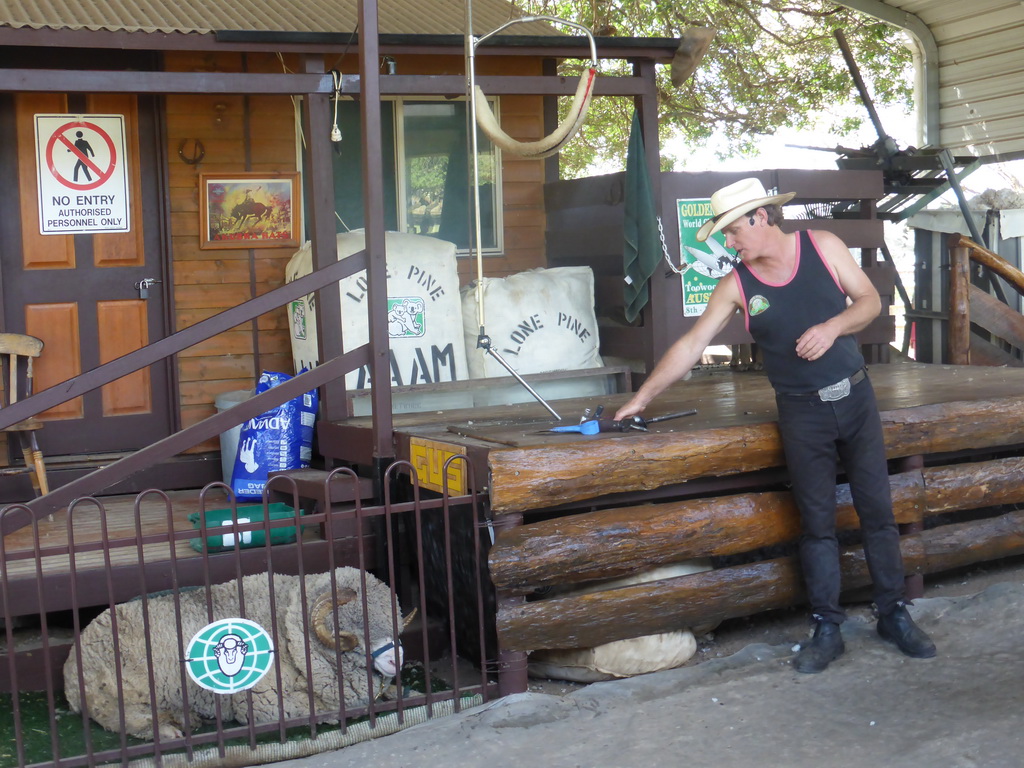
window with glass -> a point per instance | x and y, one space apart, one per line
428 177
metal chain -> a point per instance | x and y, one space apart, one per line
664 252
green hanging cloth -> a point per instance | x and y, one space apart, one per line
642 246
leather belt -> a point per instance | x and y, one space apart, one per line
832 392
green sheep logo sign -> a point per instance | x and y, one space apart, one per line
229 655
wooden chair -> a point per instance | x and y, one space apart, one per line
15 347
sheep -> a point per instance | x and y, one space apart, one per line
94 657
622 658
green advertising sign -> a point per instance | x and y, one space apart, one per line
704 264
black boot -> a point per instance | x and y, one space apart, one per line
825 647
897 627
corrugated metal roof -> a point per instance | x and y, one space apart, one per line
980 62
425 17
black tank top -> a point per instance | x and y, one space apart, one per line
778 315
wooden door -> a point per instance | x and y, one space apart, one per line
79 294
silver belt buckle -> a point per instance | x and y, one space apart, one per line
834 392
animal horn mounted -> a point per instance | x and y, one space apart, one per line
551 143
554 141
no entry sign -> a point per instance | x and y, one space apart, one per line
83 174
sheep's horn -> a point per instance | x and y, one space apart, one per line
323 606
408 619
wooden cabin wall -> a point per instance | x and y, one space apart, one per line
257 133
522 186
239 133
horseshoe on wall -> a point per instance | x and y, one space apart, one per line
198 151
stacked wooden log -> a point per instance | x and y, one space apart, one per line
612 542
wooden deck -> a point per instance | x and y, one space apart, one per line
148 549
926 409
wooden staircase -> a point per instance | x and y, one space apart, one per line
998 334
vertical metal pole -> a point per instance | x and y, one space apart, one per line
483 341
373 205
474 151
946 158
552 164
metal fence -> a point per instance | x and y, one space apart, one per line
175 629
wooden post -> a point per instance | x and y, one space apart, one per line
320 206
660 335
513 676
373 207
914 582
959 304
873 353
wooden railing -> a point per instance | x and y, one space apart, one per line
212 426
969 305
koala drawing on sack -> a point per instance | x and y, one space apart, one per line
335 627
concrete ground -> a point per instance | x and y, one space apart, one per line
872 707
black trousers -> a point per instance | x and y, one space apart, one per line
817 436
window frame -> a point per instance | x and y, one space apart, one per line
498 249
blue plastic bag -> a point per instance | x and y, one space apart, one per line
278 439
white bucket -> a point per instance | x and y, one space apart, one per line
229 439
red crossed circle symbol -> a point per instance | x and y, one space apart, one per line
101 175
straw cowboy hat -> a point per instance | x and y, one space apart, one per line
731 202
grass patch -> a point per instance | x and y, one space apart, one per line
35 730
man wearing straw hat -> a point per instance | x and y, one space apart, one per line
804 296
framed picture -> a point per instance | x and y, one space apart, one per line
249 210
